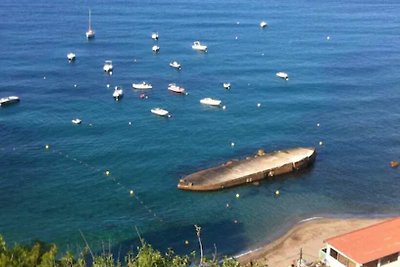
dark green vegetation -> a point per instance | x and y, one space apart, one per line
45 255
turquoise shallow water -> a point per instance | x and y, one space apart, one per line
348 83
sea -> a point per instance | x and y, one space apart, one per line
112 179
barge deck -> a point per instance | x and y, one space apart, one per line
249 170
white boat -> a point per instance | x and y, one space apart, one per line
177 89
175 64
263 24
227 85
76 121
90 32
108 66
118 93
71 57
142 85
8 100
155 48
154 36
160 112
210 102
199 47
283 75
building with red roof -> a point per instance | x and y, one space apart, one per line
373 246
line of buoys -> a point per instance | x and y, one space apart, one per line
107 174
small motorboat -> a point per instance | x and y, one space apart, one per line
154 36
108 66
71 57
210 102
8 100
263 24
118 93
176 89
174 64
76 121
227 85
282 75
199 47
160 112
155 48
142 85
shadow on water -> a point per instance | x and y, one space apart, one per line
183 240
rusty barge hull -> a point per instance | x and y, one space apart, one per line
249 170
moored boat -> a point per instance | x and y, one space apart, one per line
108 66
174 64
76 121
90 32
282 75
154 36
155 48
210 101
142 85
118 93
8 100
177 89
227 85
199 47
263 24
71 57
160 112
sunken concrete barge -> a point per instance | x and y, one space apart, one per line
249 170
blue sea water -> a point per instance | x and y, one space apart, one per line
348 83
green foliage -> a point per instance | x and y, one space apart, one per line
42 255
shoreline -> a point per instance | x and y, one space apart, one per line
307 234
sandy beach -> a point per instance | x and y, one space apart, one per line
308 236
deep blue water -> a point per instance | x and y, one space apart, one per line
349 83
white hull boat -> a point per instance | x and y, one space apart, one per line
199 47
76 121
155 48
160 112
108 66
227 85
142 86
175 65
90 32
118 93
282 75
210 102
8 100
263 24
154 36
176 89
71 57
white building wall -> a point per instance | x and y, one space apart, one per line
332 262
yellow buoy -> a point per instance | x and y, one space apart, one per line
107 173
131 192
186 242
237 195
47 146
277 193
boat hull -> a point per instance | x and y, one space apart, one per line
249 170
8 100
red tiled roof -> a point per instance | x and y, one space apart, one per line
369 243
